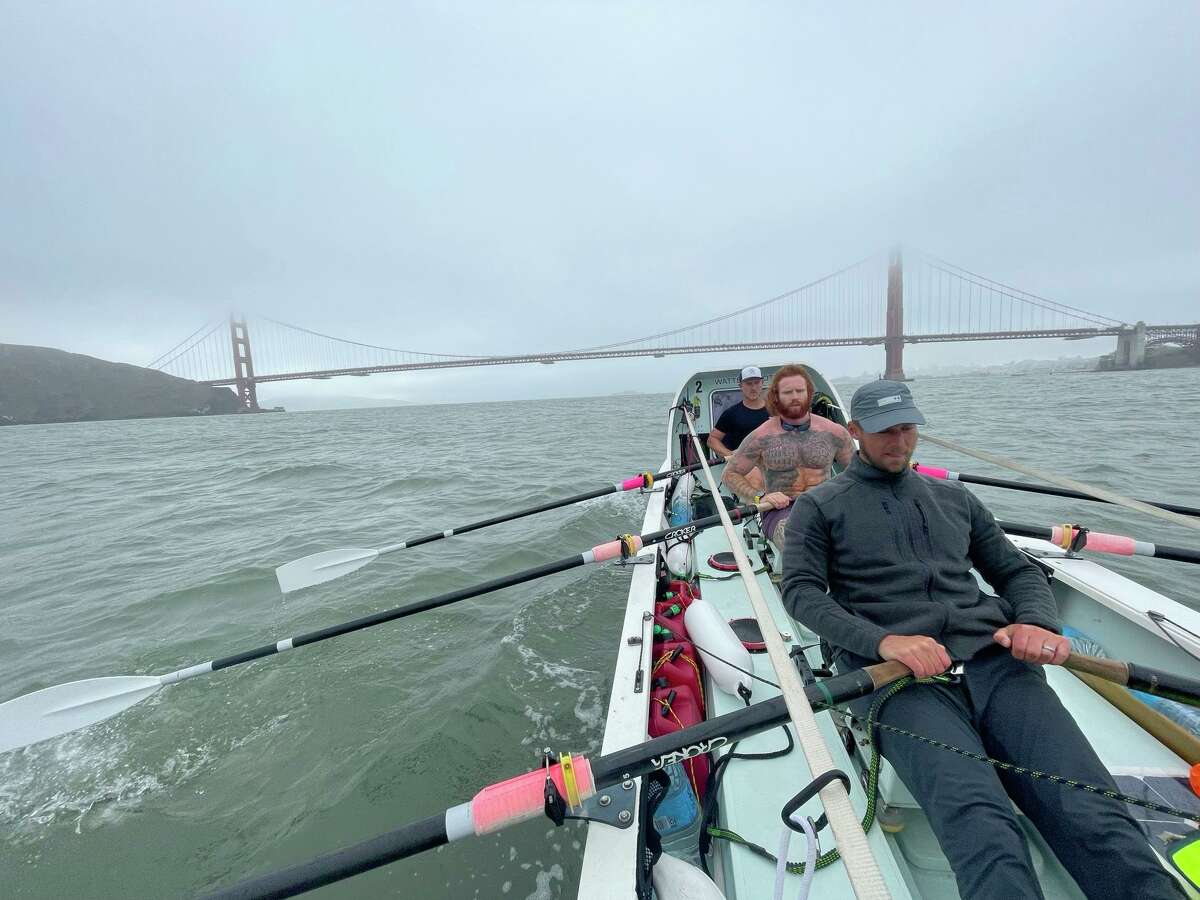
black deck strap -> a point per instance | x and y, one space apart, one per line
808 793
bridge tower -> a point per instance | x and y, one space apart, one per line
243 365
893 342
1131 347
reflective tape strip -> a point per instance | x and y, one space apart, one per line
283 645
1144 548
449 532
189 672
588 557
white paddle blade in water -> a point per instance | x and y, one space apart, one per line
65 707
321 567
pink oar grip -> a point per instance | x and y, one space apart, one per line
518 799
932 471
1110 543
632 484
612 549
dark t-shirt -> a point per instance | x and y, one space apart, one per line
738 421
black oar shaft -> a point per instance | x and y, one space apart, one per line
1062 492
410 840
487 587
541 508
606 771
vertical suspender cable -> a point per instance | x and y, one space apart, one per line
863 871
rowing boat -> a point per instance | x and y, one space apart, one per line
1148 753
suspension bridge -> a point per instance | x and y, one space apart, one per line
886 299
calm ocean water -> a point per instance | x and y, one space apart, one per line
141 547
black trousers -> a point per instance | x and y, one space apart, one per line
1003 708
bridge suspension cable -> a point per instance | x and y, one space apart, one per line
941 298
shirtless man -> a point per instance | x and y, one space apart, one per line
794 449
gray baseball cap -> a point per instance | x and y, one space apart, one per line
879 405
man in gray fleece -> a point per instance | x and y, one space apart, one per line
895 551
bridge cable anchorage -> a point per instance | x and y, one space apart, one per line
862 869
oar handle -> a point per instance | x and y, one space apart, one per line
1137 677
1108 669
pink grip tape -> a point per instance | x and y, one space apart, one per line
519 799
1097 541
932 471
1110 543
612 549
633 483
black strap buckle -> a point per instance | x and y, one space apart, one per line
555 806
808 793
1079 540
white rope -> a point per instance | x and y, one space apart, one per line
810 857
861 868
1069 483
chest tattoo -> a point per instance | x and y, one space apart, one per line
793 450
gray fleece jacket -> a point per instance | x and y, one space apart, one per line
895 552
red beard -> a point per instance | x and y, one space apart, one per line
795 410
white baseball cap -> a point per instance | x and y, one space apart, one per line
750 372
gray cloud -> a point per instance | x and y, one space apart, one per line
497 177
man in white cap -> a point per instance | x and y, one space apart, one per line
743 417
880 563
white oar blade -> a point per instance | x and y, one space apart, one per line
321 567
65 707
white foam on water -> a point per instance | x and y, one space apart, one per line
98 776
544 879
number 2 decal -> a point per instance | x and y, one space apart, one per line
699 385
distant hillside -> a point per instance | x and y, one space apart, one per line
39 385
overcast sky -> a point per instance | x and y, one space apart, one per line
496 176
